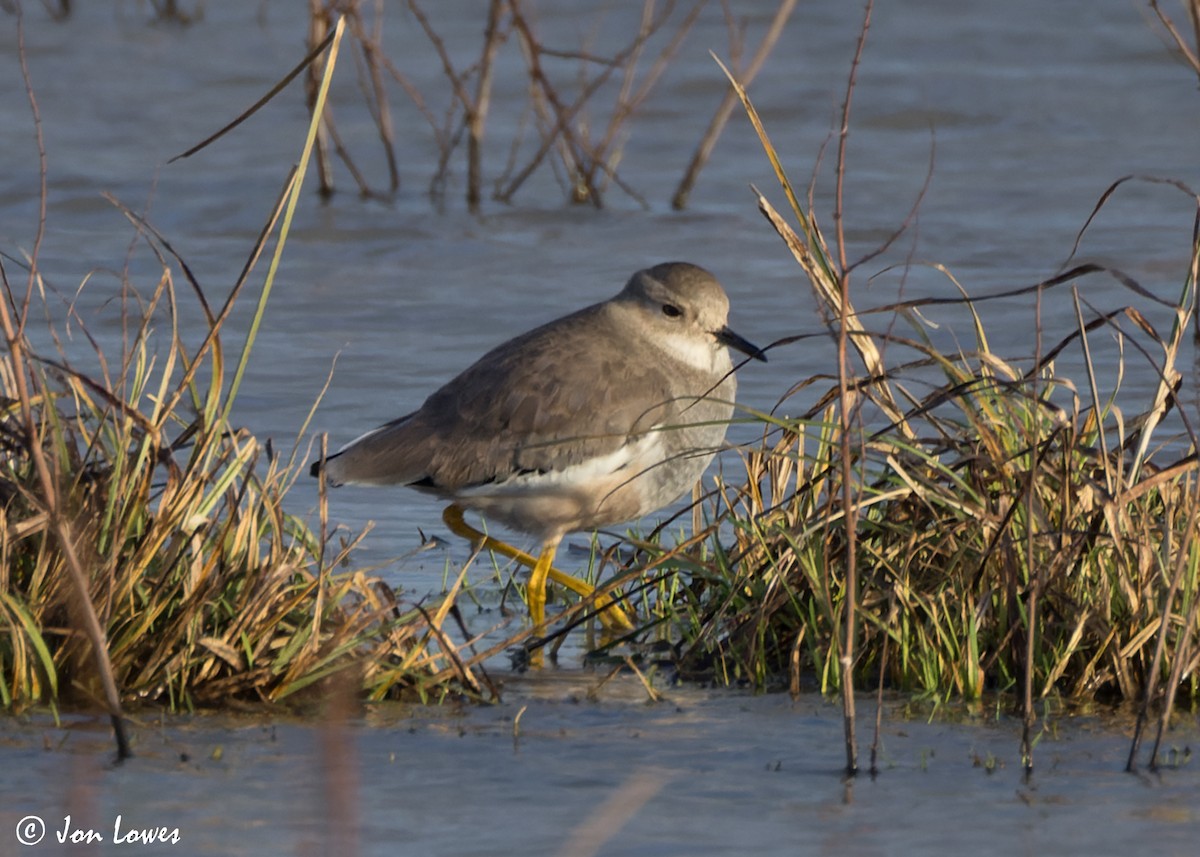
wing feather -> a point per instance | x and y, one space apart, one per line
533 404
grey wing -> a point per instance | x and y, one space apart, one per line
534 404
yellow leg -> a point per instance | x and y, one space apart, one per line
612 616
537 582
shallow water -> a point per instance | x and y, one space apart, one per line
1028 110
699 772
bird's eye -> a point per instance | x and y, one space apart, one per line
672 311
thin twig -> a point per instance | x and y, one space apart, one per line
728 101
47 477
257 105
478 109
1034 570
846 417
1189 52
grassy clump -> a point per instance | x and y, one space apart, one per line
207 589
999 493
145 551
1009 527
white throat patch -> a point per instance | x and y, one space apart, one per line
697 352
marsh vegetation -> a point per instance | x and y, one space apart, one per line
952 524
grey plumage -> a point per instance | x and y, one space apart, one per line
628 398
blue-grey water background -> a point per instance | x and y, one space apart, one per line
1021 113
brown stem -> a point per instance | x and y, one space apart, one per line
1037 575
1150 690
564 116
630 99
373 57
14 333
319 26
846 408
572 148
725 108
477 112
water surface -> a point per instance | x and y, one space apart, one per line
698 772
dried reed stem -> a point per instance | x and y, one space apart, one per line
847 420
729 100
48 479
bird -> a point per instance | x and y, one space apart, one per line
599 417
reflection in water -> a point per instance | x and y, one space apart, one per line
700 772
